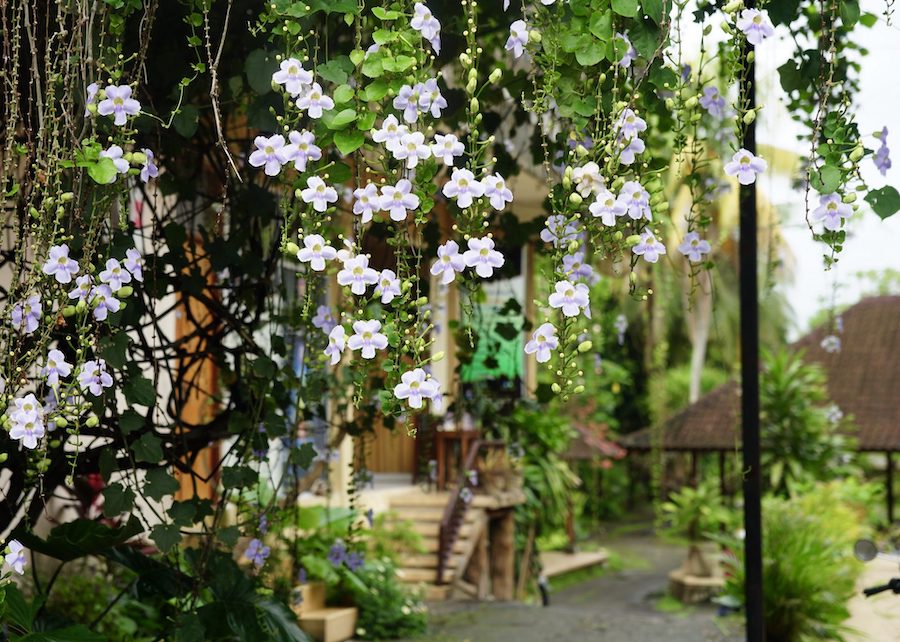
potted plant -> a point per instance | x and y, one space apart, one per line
494 471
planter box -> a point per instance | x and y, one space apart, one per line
330 625
308 597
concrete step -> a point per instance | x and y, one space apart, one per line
330 624
434 593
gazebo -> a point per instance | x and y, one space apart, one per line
863 380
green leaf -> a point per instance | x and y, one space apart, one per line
339 173
868 20
303 456
117 499
238 476
190 629
129 421
139 390
107 463
348 140
398 64
259 67
590 55
159 483
366 121
337 70
148 448
183 513
627 8
78 538
885 202
601 25
166 536
826 180
342 119
103 171
655 9
374 91
357 56
384 36
112 349
186 120
383 14
76 633
343 94
849 13
372 66
228 535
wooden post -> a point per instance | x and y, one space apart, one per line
503 555
478 572
570 525
889 482
722 488
525 564
694 475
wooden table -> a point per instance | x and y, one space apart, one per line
442 443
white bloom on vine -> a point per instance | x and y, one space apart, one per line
293 76
832 211
630 52
115 153
398 200
449 262
55 367
712 102
627 150
313 101
482 256
270 152
318 193
390 133
446 147
27 421
649 247
693 247
559 231
588 179
357 274
407 101
301 149
576 269
59 265
496 190
93 377
388 286
518 38
425 23
463 187
607 208
415 386
119 104
91 97
430 98
543 342
368 338
337 341
15 559
366 201
115 275
134 263
412 149
26 315
104 301
755 24
547 3
745 166
82 291
316 251
149 169
636 201
571 298
629 124
373 48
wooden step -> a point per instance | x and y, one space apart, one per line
430 545
425 514
420 500
434 593
418 575
427 561
330 624
433 529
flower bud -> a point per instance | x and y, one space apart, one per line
578 389
634 239
670 104
726 28
618 235
749 117
65 197
584 346
733 6
555 388
534 36
138 157
34 213
691 102
69 311
438 356
856 154
81 306
92 108
291 248
495 76
471 86
61 422
92 421
125 291
473 74
573 246
473 105
422 300
617 184
849 198
464 59
575 199
581 150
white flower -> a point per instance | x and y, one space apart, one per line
27 421
316 251
114 275
483 257
368 338
558 231
445 147
636 200
390 133
607 208
630 53
337 341
449 262
431 99
388 286
693 247
399 199
496 190
832 211
115 153
543 342
366 202
630 125
627 150
318 193
571 298
756 25
314 102
357 274
407 101
463 187
119 104
302 149
293 76
588 179
59 265
518 38
412 148
576 269
745 166
56 367
269 152
649 247
425 23
415 386
15 559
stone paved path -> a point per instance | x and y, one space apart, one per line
617 607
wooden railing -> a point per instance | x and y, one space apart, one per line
455 510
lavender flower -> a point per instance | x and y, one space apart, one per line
755 24
323 319
446 147
693 247
636 201
92 91
883 155
337 554
119 104
257 553
337 341
483 257
263 526
426 24
415 386
571 298
15 559
449 262
357 274
26 315
466 495
56 367
84 285
148 169
832 211
293 76
115 153
496 190
431 98
366 202
370 517
314 102
621 326
745 166
588 179
134 263
27 421
412 148
831 344
712 102
607 208
104 302
407 101
316 251
354 561
270 153
388 286
368 338
301 149
463 187
649 247
114 275
629 125
543 342
630 52
93 377
627 150
318 193
390 133
59 265
558 231
518 38
577 270
398 200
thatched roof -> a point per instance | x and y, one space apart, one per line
863 380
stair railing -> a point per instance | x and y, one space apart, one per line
455 510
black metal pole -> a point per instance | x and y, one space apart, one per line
753 563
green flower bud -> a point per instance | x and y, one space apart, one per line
495 76
473 75
581 150
3 457
61 422
850 198
422 300
438 356
575 199
464 59
471 86
34 213
92 108
69 311
139 158
733 6
534 36
65 197
726 28
634 239
618 235
92 421
555 388
473 104
691 102
584 346
573 246
856 154
125 291
291 248
578 389
55 443
81 306
749 117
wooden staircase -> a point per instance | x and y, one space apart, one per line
424 511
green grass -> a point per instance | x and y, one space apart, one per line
673 606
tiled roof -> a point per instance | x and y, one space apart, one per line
863 380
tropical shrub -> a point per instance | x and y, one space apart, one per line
696 512
388 609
